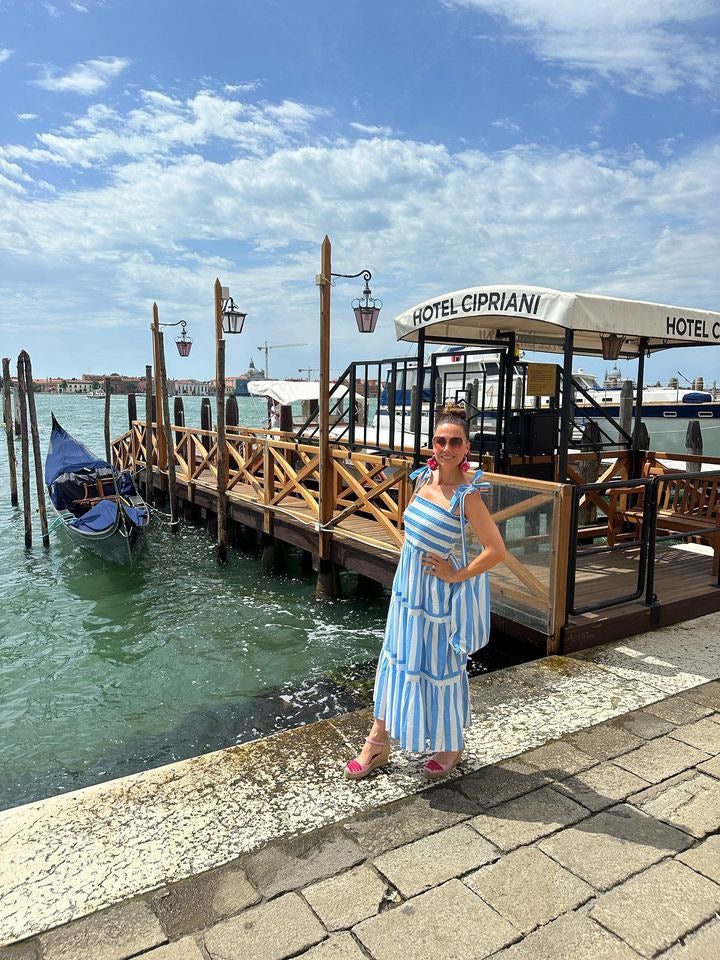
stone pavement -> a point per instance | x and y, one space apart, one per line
602 844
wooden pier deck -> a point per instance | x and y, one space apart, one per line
273 487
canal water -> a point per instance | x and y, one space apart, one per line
105 671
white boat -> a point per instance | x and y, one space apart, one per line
671 402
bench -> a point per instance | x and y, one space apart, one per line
684 506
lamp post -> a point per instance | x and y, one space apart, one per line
366 313
184 345
230 319
162 409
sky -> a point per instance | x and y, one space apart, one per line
147 148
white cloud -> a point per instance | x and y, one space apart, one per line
242 87
24 117
169 215
646 45
372 130
51 9
163 125
5 54
87 78
78 7
505 123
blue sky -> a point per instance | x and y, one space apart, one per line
148 147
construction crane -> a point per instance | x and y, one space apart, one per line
309 370
267 347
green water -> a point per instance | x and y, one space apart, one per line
106 670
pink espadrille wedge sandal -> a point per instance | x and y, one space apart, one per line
354 770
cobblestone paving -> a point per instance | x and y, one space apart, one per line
603 845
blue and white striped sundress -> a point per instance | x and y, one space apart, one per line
421 684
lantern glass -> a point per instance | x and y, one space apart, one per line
233 321
366 316
611 346
184 345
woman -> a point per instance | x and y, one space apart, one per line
439 611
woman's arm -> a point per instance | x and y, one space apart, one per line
487 532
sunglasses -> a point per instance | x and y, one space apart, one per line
454 442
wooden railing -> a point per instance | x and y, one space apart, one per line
281 475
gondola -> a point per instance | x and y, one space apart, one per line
98 506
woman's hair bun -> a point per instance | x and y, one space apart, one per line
453 409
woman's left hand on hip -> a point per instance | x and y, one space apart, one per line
438 567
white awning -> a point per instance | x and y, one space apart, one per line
289 391
540 317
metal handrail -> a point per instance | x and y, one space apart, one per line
647 542
578 492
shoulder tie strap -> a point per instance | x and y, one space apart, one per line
421 471
478 485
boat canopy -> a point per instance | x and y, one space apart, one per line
66 455
289 391
540 317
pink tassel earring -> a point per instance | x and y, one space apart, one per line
465 466
432 463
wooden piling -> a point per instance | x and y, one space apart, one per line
8 417
626 407
132 410
148 436
178 417
108 450
37 453
161 451
232 414
221 455
326 580
694 445
206 421
168 435
24 453
286 418
16 410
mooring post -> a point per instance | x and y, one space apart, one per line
626 407
8 417
232 414
221 455
160 434
148 435
108 452
693 445
168 435
16 408
132 410
37 453
326 579
206 421
179 418
24 452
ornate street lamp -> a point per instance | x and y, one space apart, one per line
183 342
232 318
366 308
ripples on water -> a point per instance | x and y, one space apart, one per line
106 670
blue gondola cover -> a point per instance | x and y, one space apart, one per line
101 517
66 454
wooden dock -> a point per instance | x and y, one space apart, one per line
273 487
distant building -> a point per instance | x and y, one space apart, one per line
119 383
252 373
194 388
